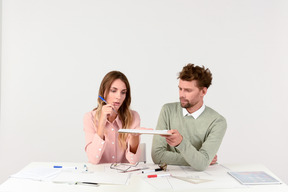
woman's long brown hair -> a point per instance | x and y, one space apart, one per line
124 111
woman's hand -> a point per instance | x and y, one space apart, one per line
135 139
107 110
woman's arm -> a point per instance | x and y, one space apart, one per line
95 145
133 153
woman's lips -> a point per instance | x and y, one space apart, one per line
116 104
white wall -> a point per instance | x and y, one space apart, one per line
55 53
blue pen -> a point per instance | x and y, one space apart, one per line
63 167
103 99
107 103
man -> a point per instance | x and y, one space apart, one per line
197 130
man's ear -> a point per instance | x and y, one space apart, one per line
204 91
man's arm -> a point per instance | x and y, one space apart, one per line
184 153
162 152
200 159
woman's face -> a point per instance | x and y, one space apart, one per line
117 93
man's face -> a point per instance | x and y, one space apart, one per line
189 94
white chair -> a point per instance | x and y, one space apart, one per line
142 147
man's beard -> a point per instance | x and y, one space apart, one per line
186 105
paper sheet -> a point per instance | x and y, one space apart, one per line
97 177
38 173
215 177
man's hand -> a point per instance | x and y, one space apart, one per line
214 160
175 139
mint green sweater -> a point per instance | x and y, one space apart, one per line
201 137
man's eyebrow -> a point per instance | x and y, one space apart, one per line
185 88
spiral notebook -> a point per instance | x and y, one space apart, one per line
254 178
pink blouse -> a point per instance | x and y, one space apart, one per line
108 150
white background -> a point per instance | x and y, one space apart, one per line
56 52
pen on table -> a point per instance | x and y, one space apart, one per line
62 167
159 175
77 183
152 170
107 103
87 183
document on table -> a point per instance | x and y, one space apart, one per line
145 131
95 177
185 177
37 173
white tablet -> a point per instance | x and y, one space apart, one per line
144 131
254 178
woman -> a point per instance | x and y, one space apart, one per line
103 143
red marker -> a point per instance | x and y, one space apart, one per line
159 175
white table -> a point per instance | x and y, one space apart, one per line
139 182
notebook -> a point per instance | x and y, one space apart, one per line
254 178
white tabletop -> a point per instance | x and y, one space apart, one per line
217 175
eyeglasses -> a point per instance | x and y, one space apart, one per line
126 167
163 166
